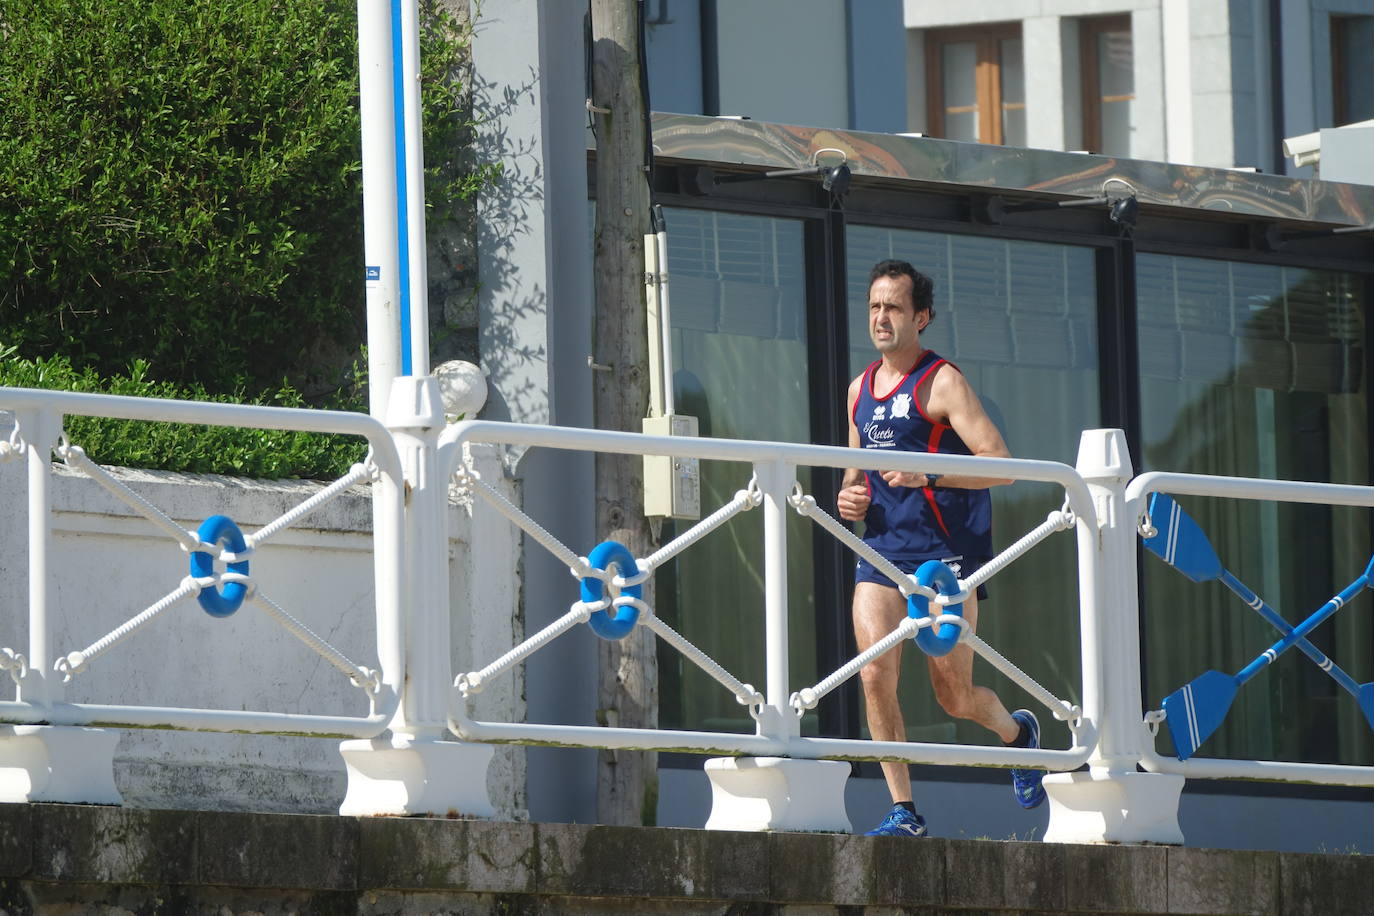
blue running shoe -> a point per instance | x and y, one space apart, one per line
1026 783
900 822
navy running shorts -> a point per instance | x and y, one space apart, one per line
963 568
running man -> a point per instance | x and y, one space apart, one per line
913 400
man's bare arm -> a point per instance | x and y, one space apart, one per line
953 399
852 501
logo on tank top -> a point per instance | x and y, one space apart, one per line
901 406
879 436
879 412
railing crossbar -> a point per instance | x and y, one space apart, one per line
356 474
578 566
76 456
744 693
743 501
1062 710
907 585
364 678
1055 521
74 662
472 681
808 697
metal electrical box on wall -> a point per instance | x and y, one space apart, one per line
672 486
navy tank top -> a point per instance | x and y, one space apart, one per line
913 524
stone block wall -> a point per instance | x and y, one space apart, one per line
68 858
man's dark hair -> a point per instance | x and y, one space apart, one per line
922 287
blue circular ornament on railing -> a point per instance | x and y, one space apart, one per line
603 556
936 641
220 529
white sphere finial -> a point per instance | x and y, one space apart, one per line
463 388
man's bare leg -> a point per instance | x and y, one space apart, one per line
878 609
952 677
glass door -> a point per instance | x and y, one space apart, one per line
1019 320
738 300
1256 370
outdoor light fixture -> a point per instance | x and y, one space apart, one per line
834 178
1122 210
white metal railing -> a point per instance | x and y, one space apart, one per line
219 576
412 690
774 490
1201 704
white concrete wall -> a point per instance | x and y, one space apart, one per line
108 564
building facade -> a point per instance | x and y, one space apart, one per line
1197 83
1222 326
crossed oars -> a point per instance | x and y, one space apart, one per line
1197 709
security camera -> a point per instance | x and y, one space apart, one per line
1305 149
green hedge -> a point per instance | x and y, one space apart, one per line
186 447
180 181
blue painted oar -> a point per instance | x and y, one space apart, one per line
1182 544
1196 710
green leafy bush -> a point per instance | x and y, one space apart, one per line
179 181
187 447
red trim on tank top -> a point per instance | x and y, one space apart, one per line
933 445
929 494
915 395
873 378
854 411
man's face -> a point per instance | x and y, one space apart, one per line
893 323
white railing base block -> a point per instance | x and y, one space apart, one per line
403 776
1113 806
777 793
58 763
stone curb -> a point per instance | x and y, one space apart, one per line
358 859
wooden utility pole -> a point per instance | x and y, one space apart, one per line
627 781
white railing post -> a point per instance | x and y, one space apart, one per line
51 763
412 770
775 480
777 793
1113 802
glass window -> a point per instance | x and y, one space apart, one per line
1256 370
976 84
740 367
959 76
1352 69
1019 320
1013 92
1108 61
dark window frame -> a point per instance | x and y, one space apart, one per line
988 87
1089 30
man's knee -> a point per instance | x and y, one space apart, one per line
878 679
956 700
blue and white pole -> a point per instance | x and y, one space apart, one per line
410 180
393 195
412 770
